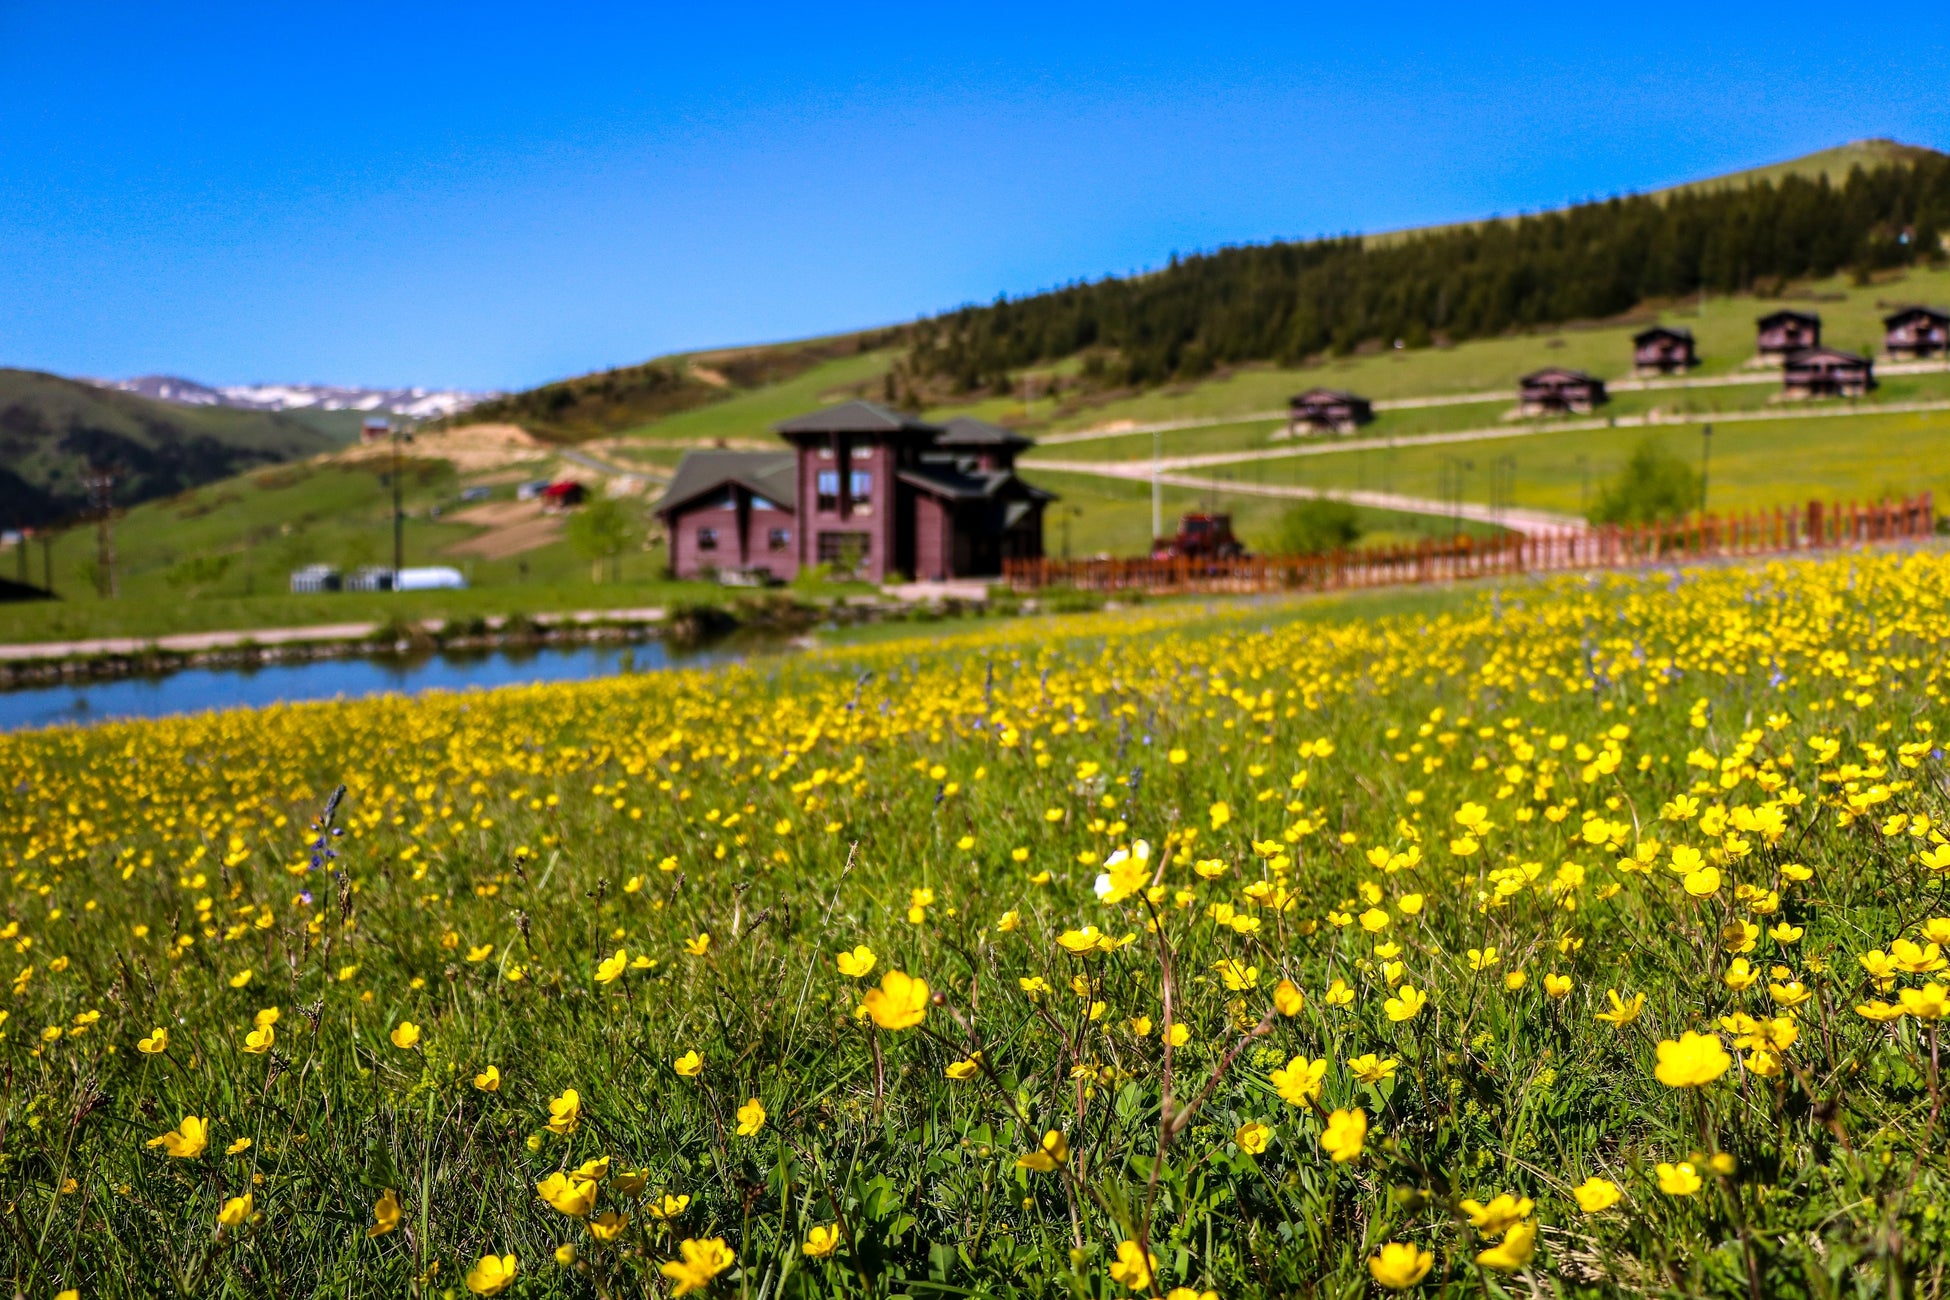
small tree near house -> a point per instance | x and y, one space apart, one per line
602 531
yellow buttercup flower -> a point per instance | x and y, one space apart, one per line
689 1065
1345 1135
607 1226
702 1261
1253 1137
698 945
1133 1266
855 963
1399 1265
156 1042
236 1211
1557 986
964 1069
405 1035
1595 1195
1678 1179
385 1214
669 1206
751 1118
1053 1151
901 1001
187 1140
1497 1216
565 1112
480 953
492 1275
1372 1069
1299 1081
1513 1252
489 1080
1622 1012
821 1240
611 968
1406 1004
1931 1002
567 1193
1693 1060
1288 1000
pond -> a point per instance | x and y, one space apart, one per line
194 690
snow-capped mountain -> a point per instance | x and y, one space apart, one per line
415 403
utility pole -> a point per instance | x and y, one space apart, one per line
47 560
398 431
101 497
1157 487
1705 463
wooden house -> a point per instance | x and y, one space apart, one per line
1327 410
1663 350
1781 333
1827 372
1555 390
1916 332
864 488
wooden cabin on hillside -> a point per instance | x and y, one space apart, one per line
1663 350
1556 390
1916 332
1827 372
1782 333
1327 410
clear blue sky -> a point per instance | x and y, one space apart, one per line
491 195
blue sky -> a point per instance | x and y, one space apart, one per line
492 195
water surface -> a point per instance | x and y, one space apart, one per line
193 690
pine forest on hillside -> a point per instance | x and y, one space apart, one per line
1286 302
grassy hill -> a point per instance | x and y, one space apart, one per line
53 429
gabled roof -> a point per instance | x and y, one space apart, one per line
1325 395
947 481
773 475
1663 331
1904 313
1808 356
1563 374
857 416
966 431
1787 313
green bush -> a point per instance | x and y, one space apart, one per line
1315 527
1654 486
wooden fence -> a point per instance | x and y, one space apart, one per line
1777 532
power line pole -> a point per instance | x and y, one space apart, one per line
1157 487
399 514
101 496
1705 463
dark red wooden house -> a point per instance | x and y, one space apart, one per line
1555 390
1781 333
1327 410
1827 372
1916 332
865 488
1663 350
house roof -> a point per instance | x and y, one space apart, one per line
1325 395
1560 374
1808 356
1663 331
947 481
857 416
1902 314
773 475
1787 313
966 431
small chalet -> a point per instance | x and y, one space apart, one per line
1916 332
1663 350
863 487
1327 410
1827 372
1556 389
1780 333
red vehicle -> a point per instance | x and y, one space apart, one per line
1202 537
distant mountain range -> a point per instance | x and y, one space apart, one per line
414 403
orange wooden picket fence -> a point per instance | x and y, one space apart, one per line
1788 531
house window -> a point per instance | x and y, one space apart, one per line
827 484
762 503
860 484
847 550
779 539
707 539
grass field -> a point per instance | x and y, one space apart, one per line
1579 938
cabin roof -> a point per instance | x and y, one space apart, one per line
773 475
966 431
857 416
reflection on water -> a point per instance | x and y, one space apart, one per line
247 686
